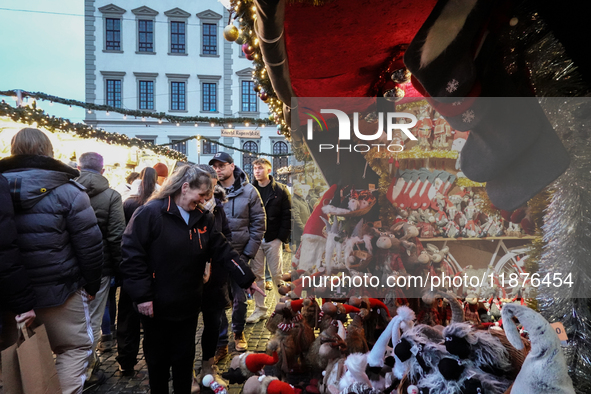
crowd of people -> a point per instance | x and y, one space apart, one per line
177 245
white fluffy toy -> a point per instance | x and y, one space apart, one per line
544 370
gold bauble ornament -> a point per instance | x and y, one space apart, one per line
231 33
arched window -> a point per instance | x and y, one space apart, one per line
280 148
248 158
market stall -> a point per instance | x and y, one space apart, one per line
121 154
484 188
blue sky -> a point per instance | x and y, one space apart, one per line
44 52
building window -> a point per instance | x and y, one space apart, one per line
280 148
151 140
177 37
248 158
177 96
146 35
114 92
210 39
179 146
146 94
209 97
113 30
249 97
210 148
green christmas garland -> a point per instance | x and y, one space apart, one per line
32 114
140 114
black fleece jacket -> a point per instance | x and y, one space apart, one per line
164 258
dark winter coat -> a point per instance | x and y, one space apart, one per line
164 258
246 215
129 207
278 211
16 292
301 213
108 208
215 291
58 236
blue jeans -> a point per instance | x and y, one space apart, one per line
110 310
238 314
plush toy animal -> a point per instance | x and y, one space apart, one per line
544 370
334 311
246 365
333 243
356 339
483 350
291 341
266 385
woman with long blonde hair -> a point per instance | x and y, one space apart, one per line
165 249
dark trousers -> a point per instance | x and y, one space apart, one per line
211 331
169 344
128 332
239 307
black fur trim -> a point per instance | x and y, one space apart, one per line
35 161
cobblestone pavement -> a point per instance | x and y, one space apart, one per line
256 334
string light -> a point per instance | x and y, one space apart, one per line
34 114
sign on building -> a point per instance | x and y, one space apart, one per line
241 133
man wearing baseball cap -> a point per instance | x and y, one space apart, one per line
246 217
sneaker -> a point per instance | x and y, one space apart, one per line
268 285
240 342
96 379
257 315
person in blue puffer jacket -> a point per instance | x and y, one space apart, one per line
61 248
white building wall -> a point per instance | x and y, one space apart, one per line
224 66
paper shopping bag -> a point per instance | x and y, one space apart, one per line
32 371
11 374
